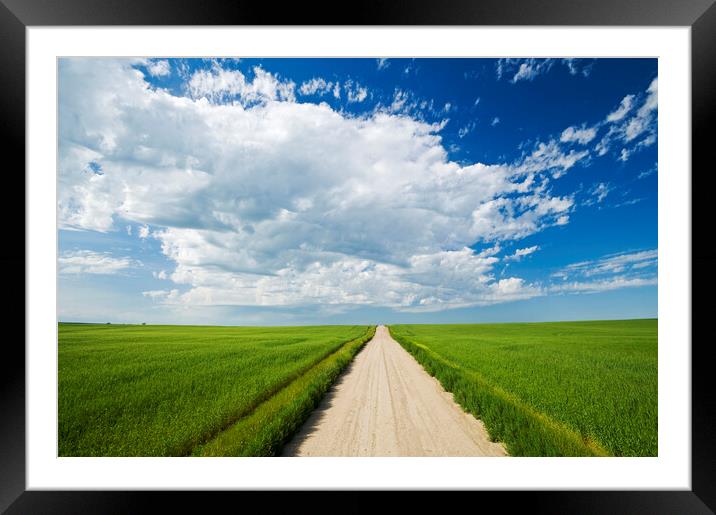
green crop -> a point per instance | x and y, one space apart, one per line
263 432
550 389
127 390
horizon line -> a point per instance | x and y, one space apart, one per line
367 323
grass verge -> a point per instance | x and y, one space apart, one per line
523 430
264 431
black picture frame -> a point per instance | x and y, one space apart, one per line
17 15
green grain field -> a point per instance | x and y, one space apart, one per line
550 389
129 390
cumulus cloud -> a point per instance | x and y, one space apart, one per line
429 282
259 200
90 262
382 63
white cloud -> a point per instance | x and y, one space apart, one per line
166 295
582 135
495 121
382 63
155 294
611 272
162 274
550 157
90 262
316 86
647 173
220 84
159 68
405 102
354 91
631 125
321 87
129 230
526 72
274 202
629 202
400 98
646 142
645 118
612 264
520 253
467 129
620 112
528 69
604 285
651 102
523 69
599 192
430 282
577 66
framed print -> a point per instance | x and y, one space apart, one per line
439 248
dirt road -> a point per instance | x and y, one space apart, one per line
385 404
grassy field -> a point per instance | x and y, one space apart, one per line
550 389
127 390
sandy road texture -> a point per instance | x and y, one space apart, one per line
385 404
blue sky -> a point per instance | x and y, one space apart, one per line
309 191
